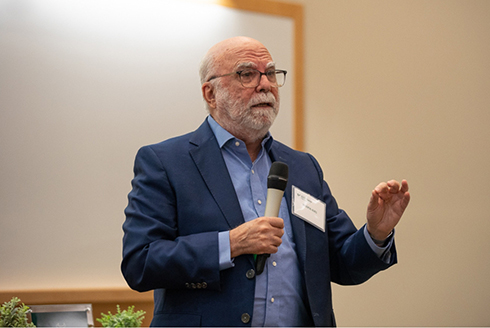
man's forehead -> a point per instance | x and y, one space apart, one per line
247 54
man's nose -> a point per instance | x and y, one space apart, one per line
264 84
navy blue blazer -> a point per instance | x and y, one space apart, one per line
182 196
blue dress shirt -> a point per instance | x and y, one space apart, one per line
279 295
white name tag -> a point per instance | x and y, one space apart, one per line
308 208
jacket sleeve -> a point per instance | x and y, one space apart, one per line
155 254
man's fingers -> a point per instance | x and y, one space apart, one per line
373 201
269 226
276 222
404 188
381 188
259 236
391 187
394 186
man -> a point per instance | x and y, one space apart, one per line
195 214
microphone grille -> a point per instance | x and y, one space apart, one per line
278 176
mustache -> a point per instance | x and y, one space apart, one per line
263 98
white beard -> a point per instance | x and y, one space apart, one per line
245 121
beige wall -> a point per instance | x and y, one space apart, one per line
83 85
400 89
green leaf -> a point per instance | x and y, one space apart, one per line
125 318
14 314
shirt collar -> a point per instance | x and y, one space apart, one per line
223 136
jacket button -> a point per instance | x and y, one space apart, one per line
250 273
204 285
245 318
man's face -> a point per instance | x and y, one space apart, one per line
246 112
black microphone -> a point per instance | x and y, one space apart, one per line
276 184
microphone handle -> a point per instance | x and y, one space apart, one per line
274 197
260 262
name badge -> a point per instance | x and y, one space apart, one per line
308 208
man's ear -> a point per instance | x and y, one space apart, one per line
208 93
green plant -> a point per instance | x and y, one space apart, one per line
126 318
14 314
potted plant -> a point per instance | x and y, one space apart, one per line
126 318
14 314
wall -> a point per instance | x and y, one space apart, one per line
83 85
399 90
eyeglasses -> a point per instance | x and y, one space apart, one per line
250 78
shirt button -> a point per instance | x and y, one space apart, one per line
245 318
260 202
274 263
250 273
237 144
253 172
272 300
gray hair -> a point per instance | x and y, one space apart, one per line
206 69
207 66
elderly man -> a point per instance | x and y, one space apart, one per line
195 216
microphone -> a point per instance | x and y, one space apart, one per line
276 184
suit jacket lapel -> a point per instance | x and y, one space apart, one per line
206 154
